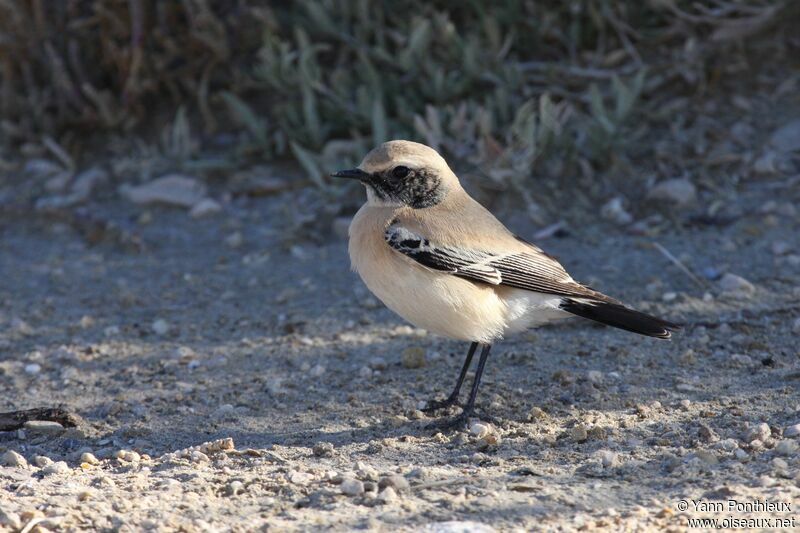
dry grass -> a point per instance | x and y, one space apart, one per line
514 88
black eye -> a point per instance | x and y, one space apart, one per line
400 172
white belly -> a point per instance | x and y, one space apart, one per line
451 306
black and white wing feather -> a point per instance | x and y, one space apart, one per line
533 271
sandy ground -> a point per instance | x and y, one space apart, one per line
220 330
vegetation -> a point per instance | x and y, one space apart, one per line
513 88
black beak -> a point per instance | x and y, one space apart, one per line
355 173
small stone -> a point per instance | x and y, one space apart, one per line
707 434
457 526
10 520
395 481
685 404
594 376
780 464
741 455
537 413
731 283
198 457
174 189
42 460
205 208
796 329
43 427
579 433
479 429
727 445
787 447
160 327
707 457
12 458
352 487
679 191
89 458
413 357
607 458
365 372
300 478
792 431
761 432
323 449
86 322
33 368
235 487
59 467
20 326
317 371
614 211
388 495
129 456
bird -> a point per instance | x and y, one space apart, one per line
439 259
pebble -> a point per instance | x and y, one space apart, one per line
235 487
792 431
365 372
160 327
173 189
796 329
205 208
413 357
781 248
129 456
396 482
317 371
323 449
614 211
479 429
43 427
59 467
352 487
196 456
12 458
707 434
537 413
388 495
579 433
761 432
89 458
679 191
607 458
727 445
300 478
741 455
787 447
42 460
734 284
33 368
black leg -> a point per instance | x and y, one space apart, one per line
461 420
433 405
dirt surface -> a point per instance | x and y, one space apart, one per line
217 329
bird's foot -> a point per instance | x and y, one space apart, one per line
435 405
456 422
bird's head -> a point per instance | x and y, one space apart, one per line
404 173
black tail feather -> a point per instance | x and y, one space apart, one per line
619 316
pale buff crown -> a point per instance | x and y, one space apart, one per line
409 154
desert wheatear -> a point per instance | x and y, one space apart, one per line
440 260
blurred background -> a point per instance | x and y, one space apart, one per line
565 103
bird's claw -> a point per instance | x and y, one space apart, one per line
435 405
